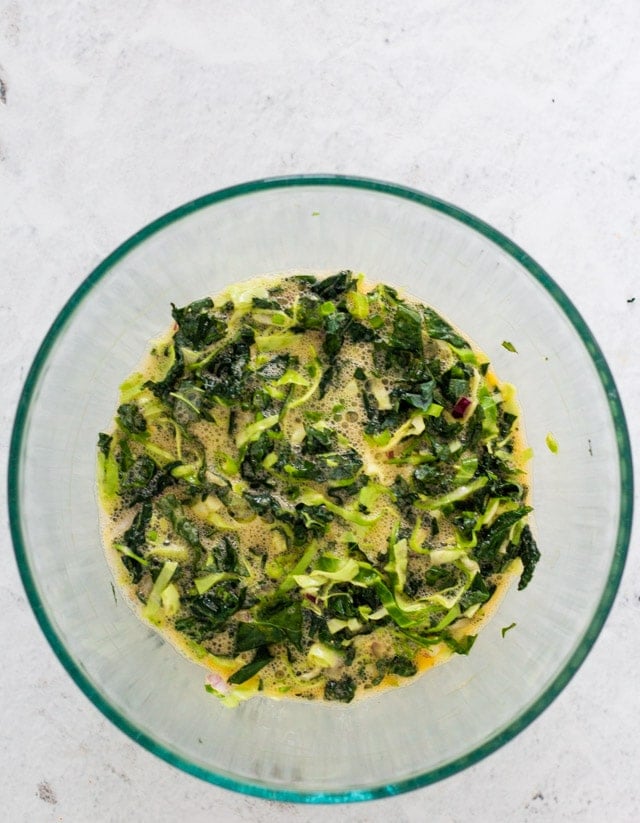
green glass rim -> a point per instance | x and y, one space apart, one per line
624 520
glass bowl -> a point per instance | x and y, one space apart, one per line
454 715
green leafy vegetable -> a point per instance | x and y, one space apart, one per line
206 614
185 528
334 286
273 625
506 629
343 689
104 443
199 326
131 418
462 646
260 660
402 666
529 553
407 331
439 329
552 443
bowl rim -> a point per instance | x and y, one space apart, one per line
624 460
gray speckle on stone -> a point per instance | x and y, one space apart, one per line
46 793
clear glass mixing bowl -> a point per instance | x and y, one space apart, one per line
493 291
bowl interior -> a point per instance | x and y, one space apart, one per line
582 495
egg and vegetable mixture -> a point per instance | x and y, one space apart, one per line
315 488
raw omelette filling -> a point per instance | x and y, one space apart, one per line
315 488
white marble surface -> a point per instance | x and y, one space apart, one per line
526 114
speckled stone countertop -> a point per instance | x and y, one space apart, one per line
526 114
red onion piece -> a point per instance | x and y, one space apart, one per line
462 404
217 682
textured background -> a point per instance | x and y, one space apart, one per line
112 113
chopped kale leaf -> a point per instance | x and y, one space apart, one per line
331 288
529 553
492 538
343 689
198 326
407 330
104 443
225 374
401 666
209 612
260 660
439 329
131 418
144 480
